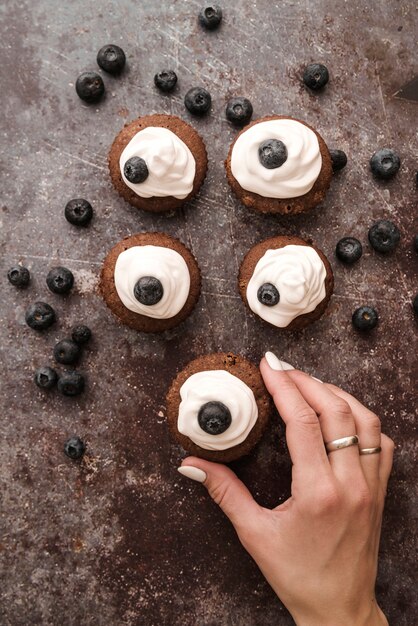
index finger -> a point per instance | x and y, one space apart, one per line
303 431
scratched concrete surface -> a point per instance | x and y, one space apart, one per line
122 538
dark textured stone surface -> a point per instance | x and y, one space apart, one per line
121 538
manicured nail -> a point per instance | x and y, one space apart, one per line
317 379
192 472
276 364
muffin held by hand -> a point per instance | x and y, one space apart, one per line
286 281
158 162
218 407
279 165
150 281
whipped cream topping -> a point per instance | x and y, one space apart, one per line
165 264
221 386
298 173
298 273
171 165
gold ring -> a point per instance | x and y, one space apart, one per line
370 450
344 442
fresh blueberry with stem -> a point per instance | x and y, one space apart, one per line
90 86
384 236
74 448
80 334
71 384
45 377
148 290
214 417
315 76
19 276
272 153
135 170
348 250
165 80
239 111
78 212
111 59
198 101
210 17
268 294
385 163
67 352
60 280
40 315
338 160
365 318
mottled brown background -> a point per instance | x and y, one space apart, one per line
123 538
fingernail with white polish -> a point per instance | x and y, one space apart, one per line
276 364
192 472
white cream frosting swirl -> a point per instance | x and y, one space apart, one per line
220 386
165 264
171 165
298 273
298 173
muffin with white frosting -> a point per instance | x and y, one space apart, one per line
150 281
218 407
286 281
279 165
158 162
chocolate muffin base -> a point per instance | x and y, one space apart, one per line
237 366
283 206
254 255
135 320
186 133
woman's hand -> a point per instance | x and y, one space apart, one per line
319 549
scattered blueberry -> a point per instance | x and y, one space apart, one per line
272 153
365 318
197 101
415 304
67 352
384 236
338 159
78 212
135 170
81 334
71 384
39 315
416 243
111 59
385 163
45 377
214 417
19 276
211 16
348 250
268 294
148 290
74 448
315 76
165 80
90 86
239 111
60 280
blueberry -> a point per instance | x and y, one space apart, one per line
60 280
111 59
348 250
197 101
165 80
214 417
210 17
78 212
384 236
67 352
385 163
272 153
135 170
74 448
365 318
80 334
148 290
338 159
40 315
415 304
90 86
268 294
71 384
315 76
46 377
239 111
416 243
19 276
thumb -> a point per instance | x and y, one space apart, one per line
225 488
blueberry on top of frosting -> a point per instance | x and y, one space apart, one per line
148 290
136 170
214 417
268 294
272 153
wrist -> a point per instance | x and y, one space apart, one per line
373 617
